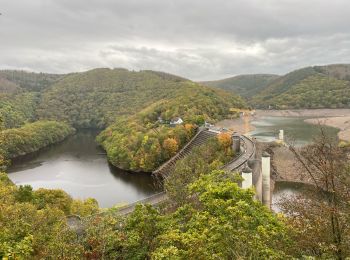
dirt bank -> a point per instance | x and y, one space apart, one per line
239 125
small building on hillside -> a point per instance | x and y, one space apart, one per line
207 124
176 121
160 120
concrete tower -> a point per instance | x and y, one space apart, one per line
247 175
281 135
236 143
266 173
255 165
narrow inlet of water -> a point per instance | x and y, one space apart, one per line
79 167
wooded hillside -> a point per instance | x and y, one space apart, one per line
311 87
135 107
243 85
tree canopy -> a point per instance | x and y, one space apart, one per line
133 108
221 221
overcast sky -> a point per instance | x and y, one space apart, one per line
197 39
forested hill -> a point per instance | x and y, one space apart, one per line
135 107
98 97
244 85
28 81
311 87
8 87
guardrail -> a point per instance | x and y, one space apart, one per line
243 157
153 200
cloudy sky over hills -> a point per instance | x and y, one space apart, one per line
198 39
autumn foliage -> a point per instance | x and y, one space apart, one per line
225 140
171 146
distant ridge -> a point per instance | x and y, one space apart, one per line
311 87
29 81
325 86
244 85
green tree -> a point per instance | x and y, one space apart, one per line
57 199
24 194
218 221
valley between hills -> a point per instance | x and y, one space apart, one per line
70 125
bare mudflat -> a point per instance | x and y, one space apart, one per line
239 125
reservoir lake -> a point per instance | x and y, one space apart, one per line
80 167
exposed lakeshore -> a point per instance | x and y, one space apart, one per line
284 165
340 122
337 118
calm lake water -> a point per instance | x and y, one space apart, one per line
79 167
295 129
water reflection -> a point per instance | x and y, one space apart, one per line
78 166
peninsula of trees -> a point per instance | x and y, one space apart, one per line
133 108
208 216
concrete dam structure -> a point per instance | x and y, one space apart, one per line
254 171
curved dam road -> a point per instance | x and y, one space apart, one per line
247 152
237 163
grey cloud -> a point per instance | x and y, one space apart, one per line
198 39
